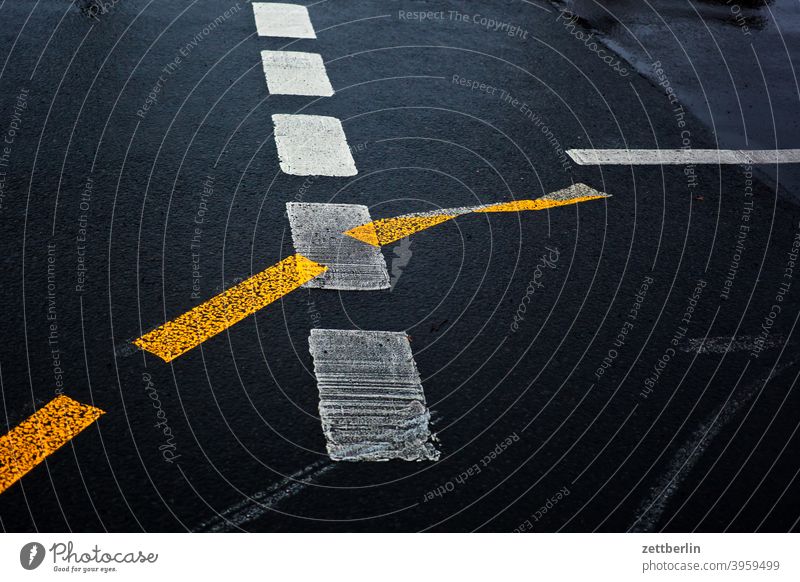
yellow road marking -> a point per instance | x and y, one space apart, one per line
40 435
538 204
189 330
387 230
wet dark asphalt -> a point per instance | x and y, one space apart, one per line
242 408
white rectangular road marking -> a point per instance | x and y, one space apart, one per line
371 401
283 20
601 157
318 234
312 145
295 73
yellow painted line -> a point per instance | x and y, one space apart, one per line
538 204
40 435
189 330
388 230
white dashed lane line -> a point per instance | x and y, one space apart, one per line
295 73
371 401
318 232
601 157
283 20
312 145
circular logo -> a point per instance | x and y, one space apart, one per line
31 555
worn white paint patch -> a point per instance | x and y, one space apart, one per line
283 20
682 157
722 344
295 73
126 348
652 508
371 401
312 145
578 190
264 502
318 234
402 256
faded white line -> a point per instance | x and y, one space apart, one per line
722 344
312 145
295 73
260 504
318 233
601 157
652 509
372 405
283 20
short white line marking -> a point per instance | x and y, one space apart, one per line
371 401
601 157
312 145
283 20
318 229
295 73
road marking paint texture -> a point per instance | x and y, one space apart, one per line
371 401
283 20
318 233
189 330
265 502
40 435
354 267
388 230
295 73
312 145
600 157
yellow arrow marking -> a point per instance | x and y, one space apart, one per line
40 435
189 330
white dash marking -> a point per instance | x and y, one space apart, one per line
371 401
283 20
295 73
312 145
318 233
600 157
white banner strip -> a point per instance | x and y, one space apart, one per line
397 557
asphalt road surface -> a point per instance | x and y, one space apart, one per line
620 364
